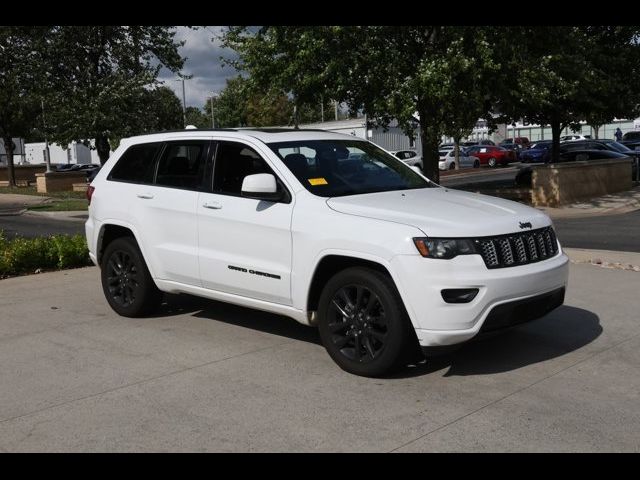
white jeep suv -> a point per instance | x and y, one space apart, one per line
325 228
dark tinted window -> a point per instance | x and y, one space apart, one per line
233 162
182 165
137 164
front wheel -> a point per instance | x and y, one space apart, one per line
492 162
476 164
452 166
363 323
126 281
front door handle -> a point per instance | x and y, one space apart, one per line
145 196
212 205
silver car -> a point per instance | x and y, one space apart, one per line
448 160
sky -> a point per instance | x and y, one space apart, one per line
202 50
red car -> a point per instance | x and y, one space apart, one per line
492 156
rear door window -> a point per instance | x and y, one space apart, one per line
182 165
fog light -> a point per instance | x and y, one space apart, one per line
459 295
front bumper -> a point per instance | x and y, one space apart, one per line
421 280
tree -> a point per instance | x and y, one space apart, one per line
568 74
163 111
20 107
97 79
417 75
197 118
242 103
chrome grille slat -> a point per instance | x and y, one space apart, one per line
518 248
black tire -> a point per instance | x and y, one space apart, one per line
452 166
476 164
492 162
126 281
375 336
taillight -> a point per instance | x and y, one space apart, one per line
90 191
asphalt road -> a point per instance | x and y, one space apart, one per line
29 226
611 232
206 376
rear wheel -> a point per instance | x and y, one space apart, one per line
126 281
363 324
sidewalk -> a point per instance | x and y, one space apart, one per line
16 204
622 202
605 258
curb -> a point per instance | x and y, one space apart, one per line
605 258
12 213
70 215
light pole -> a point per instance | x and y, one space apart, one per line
213 121
184 104
47 158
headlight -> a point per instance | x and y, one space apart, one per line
444 247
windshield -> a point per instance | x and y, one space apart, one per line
334 168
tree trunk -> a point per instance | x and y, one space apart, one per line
430 140
556 128
596 130
103 148
11 171
456 148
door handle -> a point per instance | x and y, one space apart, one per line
212 205
146 196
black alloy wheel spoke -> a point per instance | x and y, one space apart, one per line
357 323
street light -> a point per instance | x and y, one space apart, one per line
47 157
213 122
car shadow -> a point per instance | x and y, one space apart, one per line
560 332
236 315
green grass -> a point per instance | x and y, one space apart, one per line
22 256
62 205
32 190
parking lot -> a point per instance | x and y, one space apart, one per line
209 376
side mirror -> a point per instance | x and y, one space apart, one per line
261 186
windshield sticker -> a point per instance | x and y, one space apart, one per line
317 181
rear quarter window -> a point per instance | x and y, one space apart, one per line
136 165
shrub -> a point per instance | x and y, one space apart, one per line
28 255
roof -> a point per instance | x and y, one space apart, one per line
266 135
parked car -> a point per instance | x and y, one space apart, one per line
63 167
375 255
602 144
410 157
631 139
524 141
517 148
448 160
536 152
476 142
491 155
574 138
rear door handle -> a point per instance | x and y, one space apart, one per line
212 205
146 196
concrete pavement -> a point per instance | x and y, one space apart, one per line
206 376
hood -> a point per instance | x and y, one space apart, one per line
443 212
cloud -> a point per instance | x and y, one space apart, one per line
202 50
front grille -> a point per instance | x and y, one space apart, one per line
517 248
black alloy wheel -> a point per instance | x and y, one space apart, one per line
126 281
363 323
357 322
